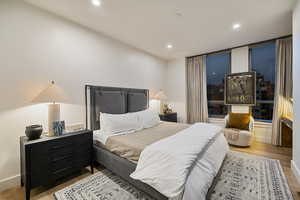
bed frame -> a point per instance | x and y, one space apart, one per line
116 101
119 101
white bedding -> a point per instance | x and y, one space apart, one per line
148 118
102 136
205 170
122 124
176 164
119 123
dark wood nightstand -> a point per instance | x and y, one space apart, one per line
48 159
286 128
169 117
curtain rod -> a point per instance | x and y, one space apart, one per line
250 44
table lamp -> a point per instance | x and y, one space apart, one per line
53 95
161 97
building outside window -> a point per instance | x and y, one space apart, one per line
263 62
217 66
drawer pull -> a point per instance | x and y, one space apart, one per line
69 156
61 170
60 146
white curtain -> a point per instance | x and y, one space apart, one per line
197 109
283 88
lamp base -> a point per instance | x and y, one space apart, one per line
161 107
53 115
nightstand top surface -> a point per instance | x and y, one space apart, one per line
172 113
45 138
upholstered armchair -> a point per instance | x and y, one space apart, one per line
238 137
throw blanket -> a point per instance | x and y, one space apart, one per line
232 134
166 164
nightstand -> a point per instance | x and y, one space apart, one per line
48 159
169 117
286 128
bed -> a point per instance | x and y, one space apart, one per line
120 154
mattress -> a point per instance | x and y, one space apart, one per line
131 145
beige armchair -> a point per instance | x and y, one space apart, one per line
237 137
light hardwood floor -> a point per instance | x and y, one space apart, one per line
261 149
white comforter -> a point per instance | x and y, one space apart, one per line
186 162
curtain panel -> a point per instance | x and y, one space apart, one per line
283 87
197 108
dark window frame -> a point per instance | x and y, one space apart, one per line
240 46
250 69
220 101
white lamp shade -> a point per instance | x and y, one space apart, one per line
160 96
52 94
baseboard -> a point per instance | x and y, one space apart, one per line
9 182
264 139
295 171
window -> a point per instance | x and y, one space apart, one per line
262 60
217 65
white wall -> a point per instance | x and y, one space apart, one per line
36 47
176 91
176 87
240 60
240 63
296 91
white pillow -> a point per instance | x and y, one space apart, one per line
148 118
119 123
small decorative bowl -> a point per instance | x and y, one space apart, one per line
34 132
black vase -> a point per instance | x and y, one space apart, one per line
34 132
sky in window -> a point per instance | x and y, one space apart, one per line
216 67
263 61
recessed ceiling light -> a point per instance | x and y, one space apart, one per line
96 3
236 26
169 46
178 14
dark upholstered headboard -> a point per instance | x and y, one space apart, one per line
112 100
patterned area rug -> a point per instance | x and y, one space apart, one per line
248 177
242 177
103 185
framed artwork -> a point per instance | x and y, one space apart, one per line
240 89
58 127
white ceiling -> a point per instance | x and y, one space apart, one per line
204 25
